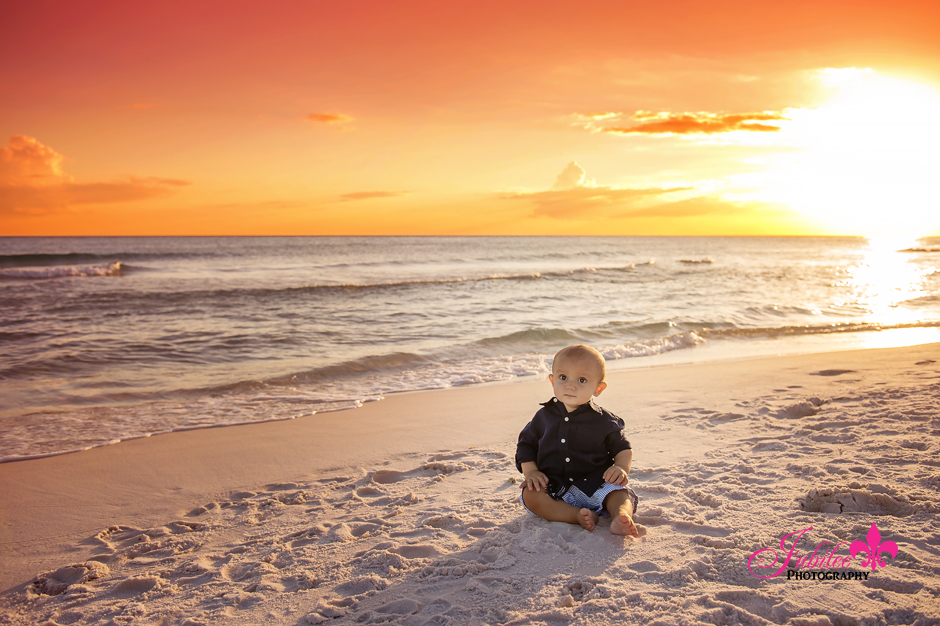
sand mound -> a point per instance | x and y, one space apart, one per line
845 500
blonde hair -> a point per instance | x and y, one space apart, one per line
581 352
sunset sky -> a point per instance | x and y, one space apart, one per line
451 117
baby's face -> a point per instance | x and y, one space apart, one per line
575 381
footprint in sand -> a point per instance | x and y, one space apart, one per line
360 586
132 587
299 539
293 499
366 530
113 535
179 527
57 582
806 408
832 372
769 446
727 417
644 567
205 508
385 477
406 606
480 528
417 551
371 496
433 468
246 571
282 487
324 613
448 456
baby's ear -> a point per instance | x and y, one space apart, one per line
600 388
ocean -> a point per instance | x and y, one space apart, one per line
109 339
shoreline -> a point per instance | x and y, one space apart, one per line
677 416
711 352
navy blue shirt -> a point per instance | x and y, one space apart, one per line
572 448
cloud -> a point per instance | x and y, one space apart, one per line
699 123
698 206
329 118
580 202
368 195
273 205
575 196
593 121
572 176
31 179
26 161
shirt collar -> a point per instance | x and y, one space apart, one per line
556 405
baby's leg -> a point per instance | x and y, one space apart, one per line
548 508
620 507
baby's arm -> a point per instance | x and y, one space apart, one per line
617 474
534 479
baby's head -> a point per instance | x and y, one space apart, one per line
578 374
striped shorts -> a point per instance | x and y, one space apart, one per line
593 502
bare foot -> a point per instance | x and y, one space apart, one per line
587 518
623 525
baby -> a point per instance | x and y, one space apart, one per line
573 454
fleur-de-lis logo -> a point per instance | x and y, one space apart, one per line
874 548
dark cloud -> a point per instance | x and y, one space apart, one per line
699 123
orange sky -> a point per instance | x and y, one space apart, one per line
383 117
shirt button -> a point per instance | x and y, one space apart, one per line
566 419
571 479
567 460
563 441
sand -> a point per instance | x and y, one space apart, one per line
406 511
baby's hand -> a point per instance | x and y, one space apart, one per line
535 481
616 475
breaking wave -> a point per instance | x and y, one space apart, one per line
116 268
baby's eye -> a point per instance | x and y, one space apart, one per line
582 380
562 377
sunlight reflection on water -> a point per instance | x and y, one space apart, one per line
886 277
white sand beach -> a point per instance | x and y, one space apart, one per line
406 511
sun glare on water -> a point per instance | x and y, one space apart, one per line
885 277
865 162
881 282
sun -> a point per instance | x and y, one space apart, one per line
863 163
